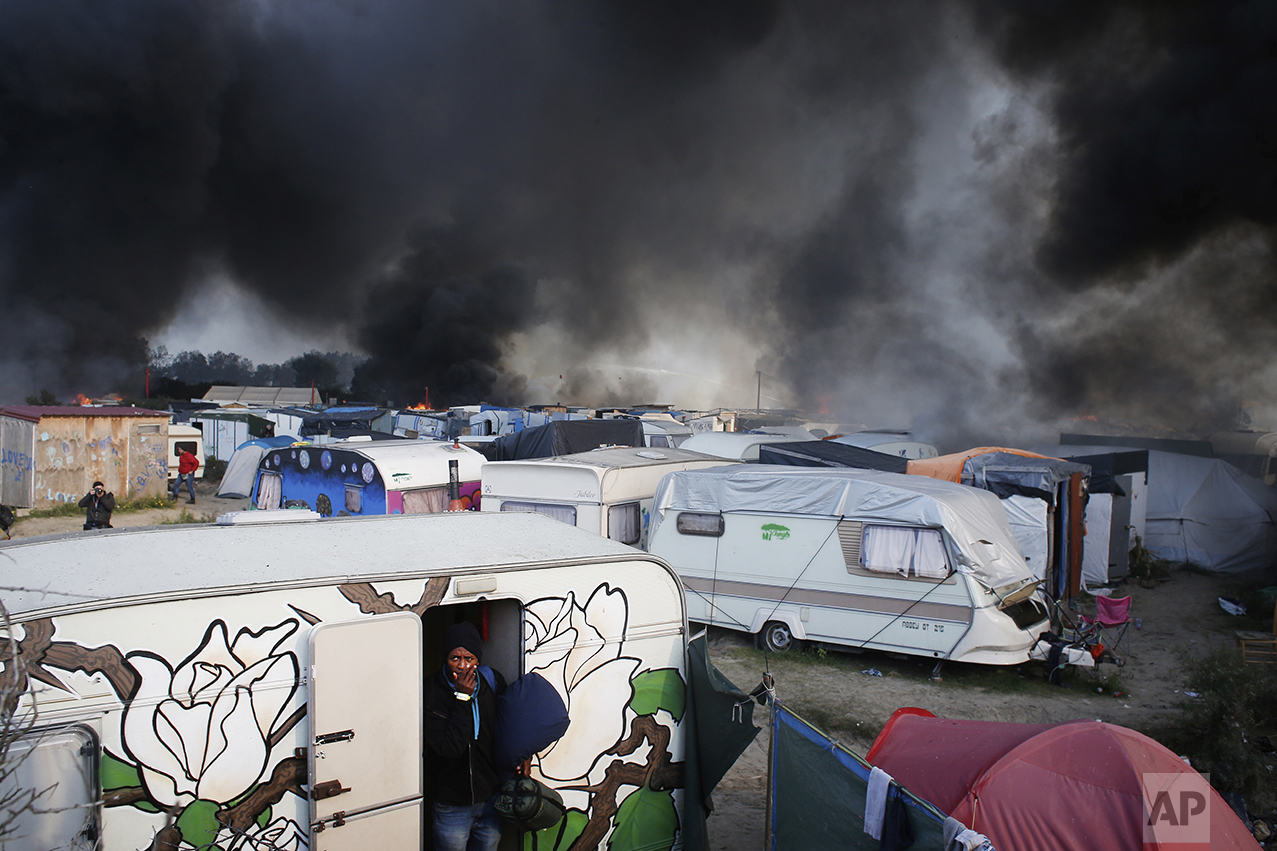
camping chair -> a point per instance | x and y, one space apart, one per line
1113 622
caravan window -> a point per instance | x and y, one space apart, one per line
562 513
691 523
270 490
354 499
58 766
425 501
904 551
624 523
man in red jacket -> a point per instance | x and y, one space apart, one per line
187 464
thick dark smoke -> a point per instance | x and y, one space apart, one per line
976 218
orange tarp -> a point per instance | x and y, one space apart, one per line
949 467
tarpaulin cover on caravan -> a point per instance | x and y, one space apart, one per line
1032 786
1207 512
974 518
828 453
564 437
1006 472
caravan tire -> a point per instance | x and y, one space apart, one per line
776 637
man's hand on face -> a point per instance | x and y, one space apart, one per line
463 669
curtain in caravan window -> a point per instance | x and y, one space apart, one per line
908 552
270 490
887 549
562 513
623 523
929 558
425 501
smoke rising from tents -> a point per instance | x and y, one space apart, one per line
971 217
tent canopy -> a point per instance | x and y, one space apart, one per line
1081 784
1207 512
241 470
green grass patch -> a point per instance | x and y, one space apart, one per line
183 518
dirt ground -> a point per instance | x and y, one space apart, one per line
206 508
833 690
1179 616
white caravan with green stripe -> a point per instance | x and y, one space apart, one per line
851 558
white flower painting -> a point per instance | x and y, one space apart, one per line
203 731
565 642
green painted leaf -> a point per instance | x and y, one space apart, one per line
645 821
115 773
264 818
199 824
659 689
545 840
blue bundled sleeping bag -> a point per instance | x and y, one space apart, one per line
531 716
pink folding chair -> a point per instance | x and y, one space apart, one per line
1113 620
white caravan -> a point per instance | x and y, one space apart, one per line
736 445
855 558
257 683
184 438
608 491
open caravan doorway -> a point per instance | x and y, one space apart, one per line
500 625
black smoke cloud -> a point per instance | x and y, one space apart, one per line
915 213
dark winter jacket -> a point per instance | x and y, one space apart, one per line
99 509
463 768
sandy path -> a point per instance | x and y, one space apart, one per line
206 508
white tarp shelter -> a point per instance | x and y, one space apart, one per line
1207 512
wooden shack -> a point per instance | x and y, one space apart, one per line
50 455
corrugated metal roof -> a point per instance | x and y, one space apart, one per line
33 413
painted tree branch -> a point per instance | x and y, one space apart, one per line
659 774
370 602
38 649
289 775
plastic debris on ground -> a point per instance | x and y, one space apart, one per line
873 672
1233 607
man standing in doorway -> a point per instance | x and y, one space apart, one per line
187 464
460 721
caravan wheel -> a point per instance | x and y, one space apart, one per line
776 637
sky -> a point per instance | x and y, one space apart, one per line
978 219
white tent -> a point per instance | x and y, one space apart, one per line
241 470
1207 512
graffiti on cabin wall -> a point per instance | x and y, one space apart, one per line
205 739
16 465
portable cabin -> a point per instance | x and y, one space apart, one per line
269 693
1116 507
226 429
735 445
184 438
367 477
850 558
50 455
608 491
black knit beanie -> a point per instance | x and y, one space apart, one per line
463 635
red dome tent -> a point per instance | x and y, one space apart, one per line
1030 787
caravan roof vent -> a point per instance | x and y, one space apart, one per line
655 456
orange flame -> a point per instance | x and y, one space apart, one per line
81 399
418 407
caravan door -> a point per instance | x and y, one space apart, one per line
364 763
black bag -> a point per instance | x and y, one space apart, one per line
529 804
